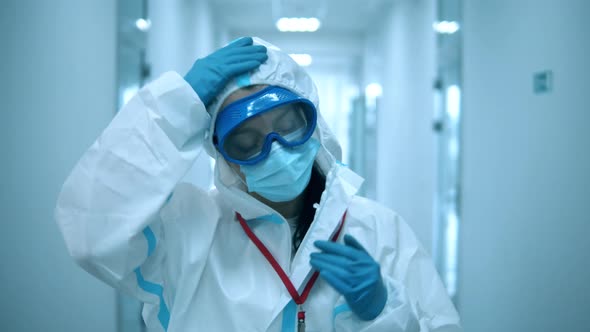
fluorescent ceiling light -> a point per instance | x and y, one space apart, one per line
303 60
298 24
143 24
445 27
373 90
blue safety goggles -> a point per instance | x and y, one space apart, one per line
246 128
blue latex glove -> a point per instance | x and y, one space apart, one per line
209 75
354 274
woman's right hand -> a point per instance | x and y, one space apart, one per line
209 75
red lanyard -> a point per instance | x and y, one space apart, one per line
299 299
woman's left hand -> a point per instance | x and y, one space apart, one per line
353 273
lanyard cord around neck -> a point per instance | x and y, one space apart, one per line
299 299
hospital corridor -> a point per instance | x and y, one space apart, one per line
295 165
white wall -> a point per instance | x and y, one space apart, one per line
57 93
400 54
524 244
182 31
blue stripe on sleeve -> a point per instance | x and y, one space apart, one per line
150 287
151 240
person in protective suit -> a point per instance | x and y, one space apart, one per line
281 243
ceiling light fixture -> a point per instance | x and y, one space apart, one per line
143 24
374 90
446 27
298 24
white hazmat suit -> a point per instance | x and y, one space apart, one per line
127 220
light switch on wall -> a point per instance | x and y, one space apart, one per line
543 82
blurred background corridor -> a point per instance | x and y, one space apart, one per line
464 116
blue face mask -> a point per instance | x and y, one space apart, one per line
284 174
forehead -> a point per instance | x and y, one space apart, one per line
242 93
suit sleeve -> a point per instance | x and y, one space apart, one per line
109 207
